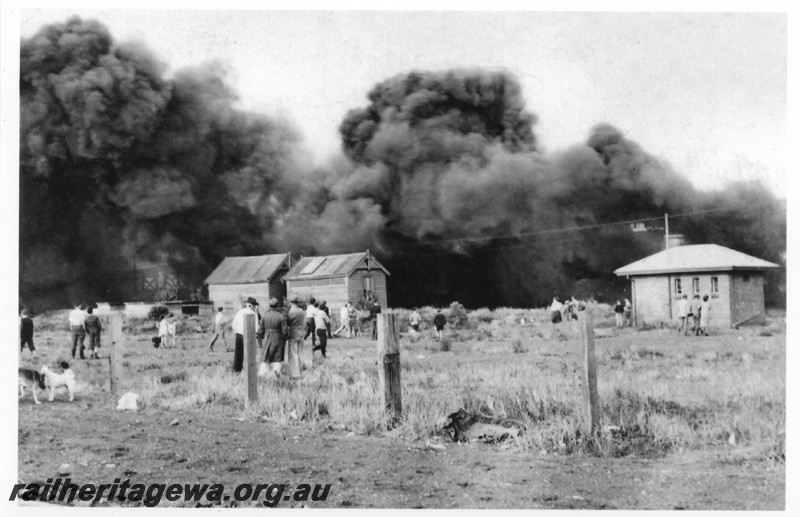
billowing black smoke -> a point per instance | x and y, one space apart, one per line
441 178
119 165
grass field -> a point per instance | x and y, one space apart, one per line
715 403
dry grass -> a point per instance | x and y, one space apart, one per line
661 393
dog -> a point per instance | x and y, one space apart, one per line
456 424
30 379
55 380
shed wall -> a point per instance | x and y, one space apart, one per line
747 297
230 296
652 299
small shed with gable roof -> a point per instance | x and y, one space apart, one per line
734 282
338 279
237 278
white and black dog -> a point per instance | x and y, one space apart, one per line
30 379
55 380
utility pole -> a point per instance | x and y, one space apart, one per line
666 231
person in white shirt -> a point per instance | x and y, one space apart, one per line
172 330
414 319
555 311
219 329
76 320
344 318
163 331
683 314
238 329
320 323
311 311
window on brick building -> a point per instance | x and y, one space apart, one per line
695 285
714 285
677 286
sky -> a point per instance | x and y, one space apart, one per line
706 92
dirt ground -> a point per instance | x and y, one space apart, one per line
100 444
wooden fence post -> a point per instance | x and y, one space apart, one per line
591 403
389 363
115 353
251 379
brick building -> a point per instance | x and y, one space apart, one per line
734 282
237 278
337 279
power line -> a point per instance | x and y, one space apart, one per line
558 230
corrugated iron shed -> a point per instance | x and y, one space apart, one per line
332 266
694 258
248 270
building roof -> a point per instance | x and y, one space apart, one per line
332 266
694 258
248 270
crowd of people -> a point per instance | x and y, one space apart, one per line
283 328
694 315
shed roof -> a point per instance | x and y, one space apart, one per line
248 270
692 258
332 266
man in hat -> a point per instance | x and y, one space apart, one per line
296 321
275 331
238 329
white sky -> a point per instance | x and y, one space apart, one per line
703 91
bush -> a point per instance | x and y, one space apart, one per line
445 344
517 347
458 316
156 312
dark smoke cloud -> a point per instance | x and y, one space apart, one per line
119 165
440 176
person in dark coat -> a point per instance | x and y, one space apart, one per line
275 331
93 328
374 310
296 321
323 306
439 321
26 332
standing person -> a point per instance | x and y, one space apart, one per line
694 313
26 332
163 330
296 322
259 327
311 311
628 313
355 321
219 329
238 329
683 314
439 321
705 316
344 318
414 319
374 310
93 328
172 330
76 317
275 332
323 306
321 321
555 310
618 310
